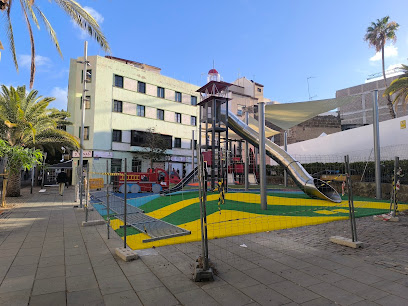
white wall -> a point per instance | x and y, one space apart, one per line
358 142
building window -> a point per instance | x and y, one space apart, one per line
178 117
136 165
177 142
259 89
88 76
160 92
193 120
116 165
193 100
160 114
240 110
117 106
87 102
178 96
119 81
86 132
141 87
140 110
117 136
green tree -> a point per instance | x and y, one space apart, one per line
377 36
26 122
399 87
32 13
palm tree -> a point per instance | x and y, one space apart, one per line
31 13
377 35
25 121
400 88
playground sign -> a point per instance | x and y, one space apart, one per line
403 124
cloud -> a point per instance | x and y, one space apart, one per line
390 67
40 61
389 51
97 16
61 97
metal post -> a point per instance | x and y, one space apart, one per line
43 170
213 145
394 198
87 193
125 208
226 149
246 172
32 179
81 146
262 155
285 145
192 151
107 198
376 145
350 200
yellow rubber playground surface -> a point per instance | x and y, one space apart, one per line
241 214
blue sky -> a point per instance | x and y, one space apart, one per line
276 43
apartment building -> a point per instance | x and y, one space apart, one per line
124 100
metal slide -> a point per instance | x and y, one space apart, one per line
315 188
182 183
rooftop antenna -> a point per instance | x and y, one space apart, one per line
308 88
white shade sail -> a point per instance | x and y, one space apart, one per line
288 115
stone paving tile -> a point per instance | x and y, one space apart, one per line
16 284
82 282
15 298
238 279
85 297
51 261
319 302
179 283
76 259
294 292
393 288
392 300
55 298
48 285
51 271
125 298
17 271
144 281
133 267
108 271
323 274
368 292
195 297
365 303
26 260
335 294
157 296
78 270
228 295
363 277
264 276
114 284
265 295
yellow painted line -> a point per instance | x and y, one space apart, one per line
231 223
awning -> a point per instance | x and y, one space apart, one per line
288 115
63 165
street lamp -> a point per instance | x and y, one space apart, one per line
86 63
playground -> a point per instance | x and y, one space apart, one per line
240 213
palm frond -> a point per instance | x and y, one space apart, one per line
30 31
10 36
83 19
29 8
50 29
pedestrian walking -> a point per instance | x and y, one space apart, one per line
61 180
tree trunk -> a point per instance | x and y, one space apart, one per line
14 184
389 102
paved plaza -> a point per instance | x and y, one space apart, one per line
48 258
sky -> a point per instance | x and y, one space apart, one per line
283 45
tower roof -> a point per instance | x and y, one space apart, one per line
213 71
